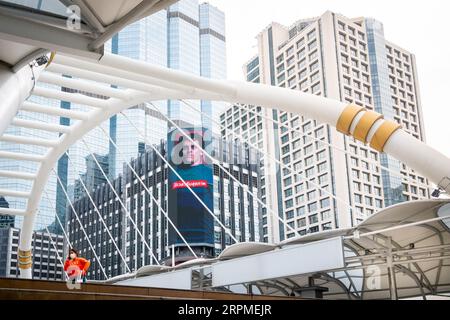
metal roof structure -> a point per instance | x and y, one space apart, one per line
30 28
401 252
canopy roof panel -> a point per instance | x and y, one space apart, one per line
400 237
79 27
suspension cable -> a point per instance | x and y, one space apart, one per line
179 177
79 221
358 235
100 216
57 218
57 254
121 202
149 193
228 173
290 168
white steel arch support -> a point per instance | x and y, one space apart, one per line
160 83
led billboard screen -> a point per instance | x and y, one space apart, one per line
188 214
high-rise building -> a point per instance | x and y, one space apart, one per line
344 59
232 205
46 208
212 58
186 36
47 252
93 177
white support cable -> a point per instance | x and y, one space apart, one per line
100 216
290 168
127 213
81 224
57 218
57 254
228 173
413 224
303 134
227 231
149 193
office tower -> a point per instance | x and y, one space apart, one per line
187 36
5 220
343 59
46 208
93 177
235 208
212 58
47 250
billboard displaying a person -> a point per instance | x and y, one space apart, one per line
189 215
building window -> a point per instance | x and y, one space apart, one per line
325 203
314 66
312 207
301 211
313 219
280 59
327 226
311 35
290 215
326 215
301 223
290 51
312 45
315 88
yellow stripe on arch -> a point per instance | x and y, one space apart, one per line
347 116
365 124
382 135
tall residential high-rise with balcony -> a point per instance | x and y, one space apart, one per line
344 59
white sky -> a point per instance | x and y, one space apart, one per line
421 27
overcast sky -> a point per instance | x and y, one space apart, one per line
421 27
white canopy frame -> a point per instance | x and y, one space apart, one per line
143 82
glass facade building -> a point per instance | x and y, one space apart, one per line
383 102
46 214
212 58
186 36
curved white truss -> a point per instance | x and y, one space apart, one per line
140 82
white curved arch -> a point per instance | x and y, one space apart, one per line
146 82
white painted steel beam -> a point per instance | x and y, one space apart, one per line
17 175
82 85
15 87
54 111
148 78
13 193
70 97
13 212
39 125
140 85
29 141
22 156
